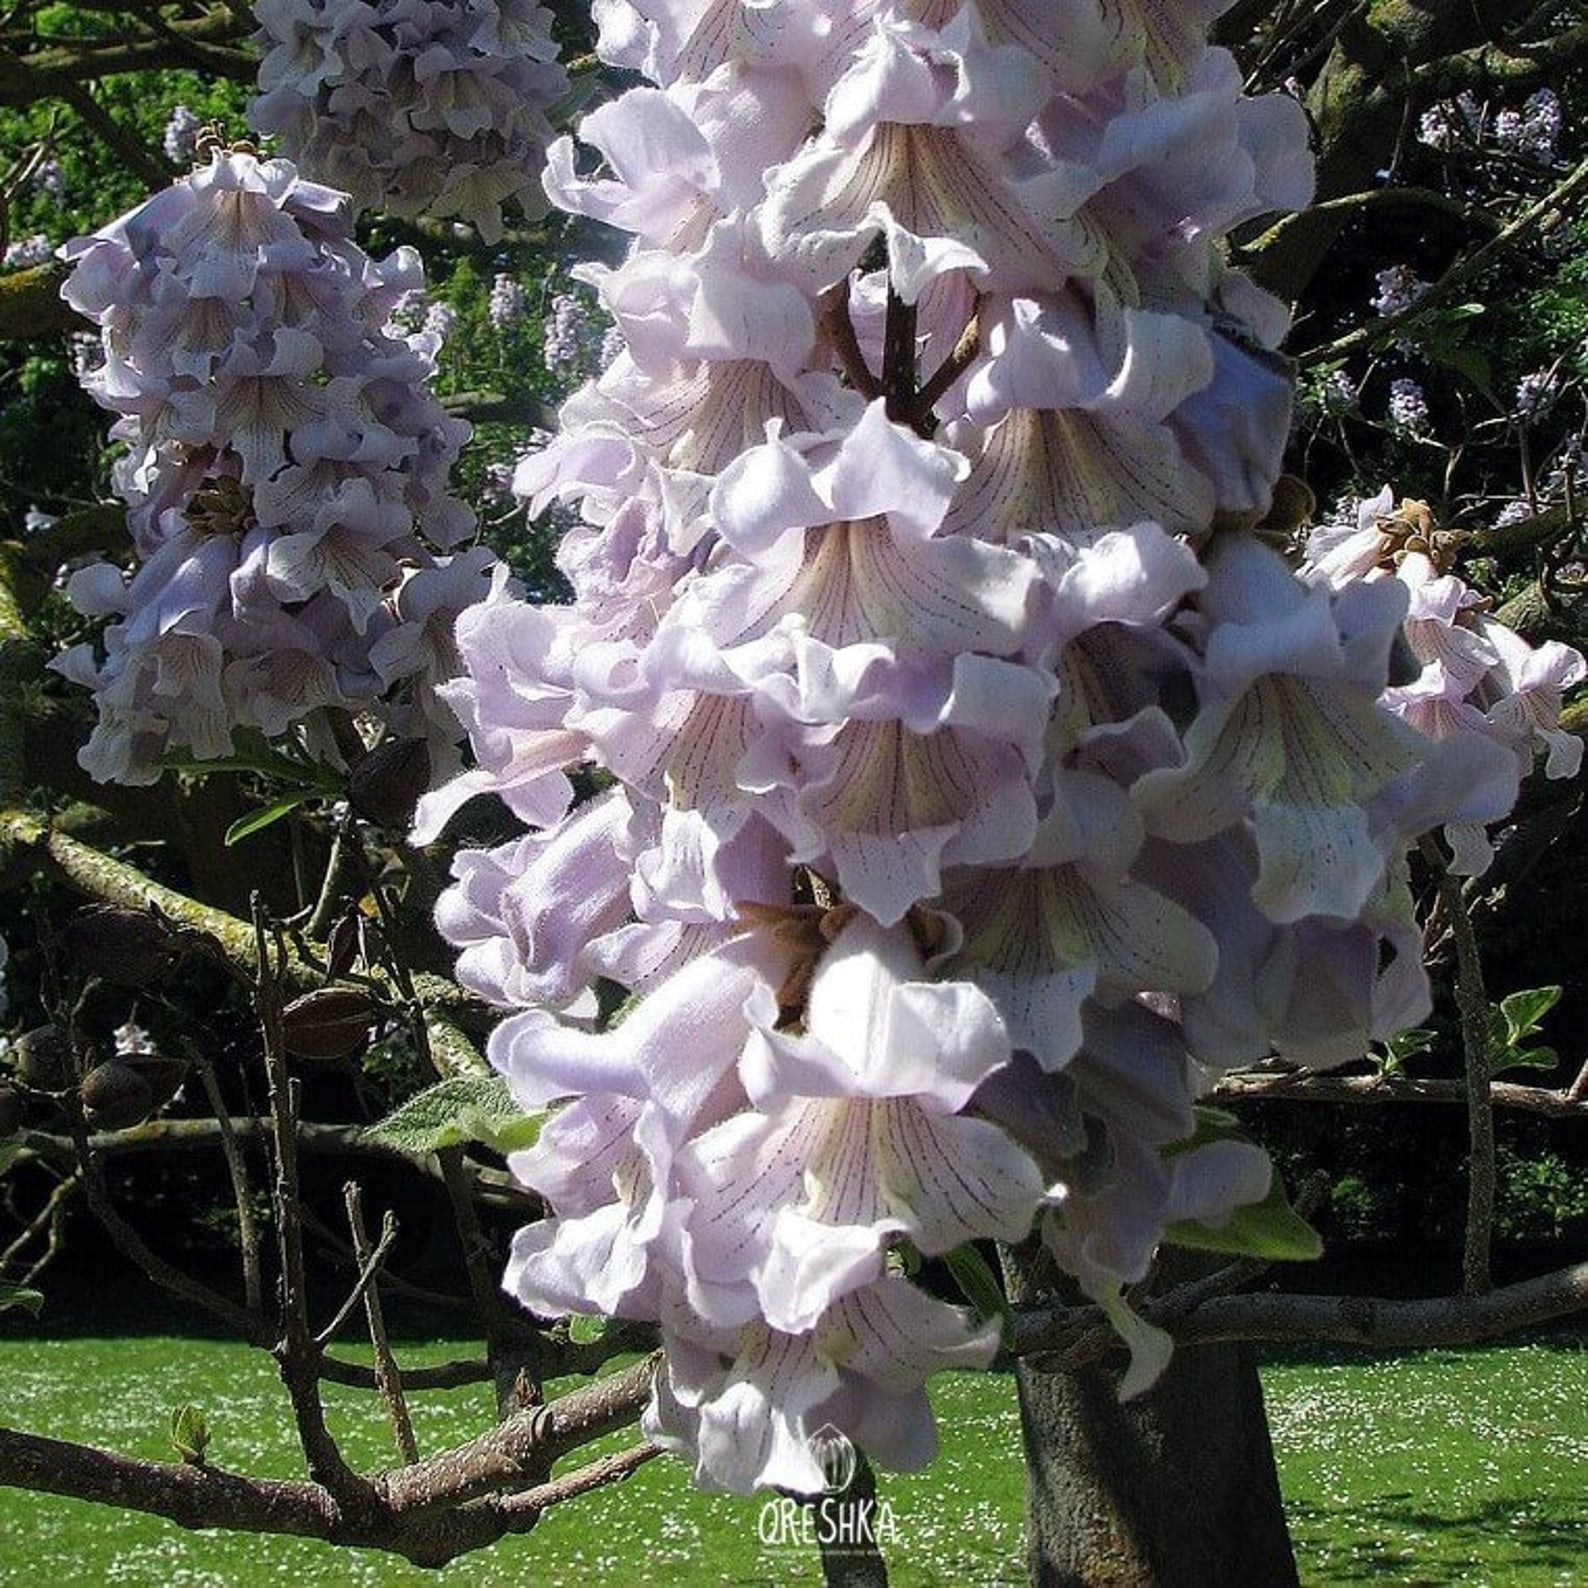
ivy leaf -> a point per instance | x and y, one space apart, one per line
980 1286
453 1112
12 1295
267 815
1270 1229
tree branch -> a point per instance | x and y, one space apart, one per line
1372 1322
1303 1086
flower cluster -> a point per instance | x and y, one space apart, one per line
975 786
285 473
1532 131
417 107
1477 684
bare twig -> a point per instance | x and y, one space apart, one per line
1472 1003
370 1259
237 1169
388 1378
597 1475
297 1352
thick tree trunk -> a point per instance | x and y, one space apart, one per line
1176 1489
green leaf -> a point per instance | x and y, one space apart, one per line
1523 1012
980 1286
18 1296
266 815
1523 1059
1269 1229
190 1434
455 1111
10 1151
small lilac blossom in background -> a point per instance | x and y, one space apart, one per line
180 139
969 802
296 546
564 342
1399 287
1534 130
49 179
416 107
1536 393
507 302
440 321
1408 407
26 252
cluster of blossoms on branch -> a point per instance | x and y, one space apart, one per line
972 784
1475 678
415 107
286 475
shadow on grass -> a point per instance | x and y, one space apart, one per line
1446 1549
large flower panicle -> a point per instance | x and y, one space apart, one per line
416 107
285 472
977 786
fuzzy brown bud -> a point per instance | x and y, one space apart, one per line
10 1111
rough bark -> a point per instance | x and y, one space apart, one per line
1176 1489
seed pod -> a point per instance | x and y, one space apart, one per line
329 1023
45 1060
10 1111
162 1075
128 947
344 945
115 1097
385 786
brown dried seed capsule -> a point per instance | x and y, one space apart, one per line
129 947
10 1111
330 1023
44 1059
115 1097
385 786
161 1074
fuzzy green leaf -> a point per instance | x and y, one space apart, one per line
456 1111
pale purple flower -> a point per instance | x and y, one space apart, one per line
435 108
26 252
506 302
1408 407
1399 287
285 474
180 139
1536 393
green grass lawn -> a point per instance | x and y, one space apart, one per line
1452 1467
